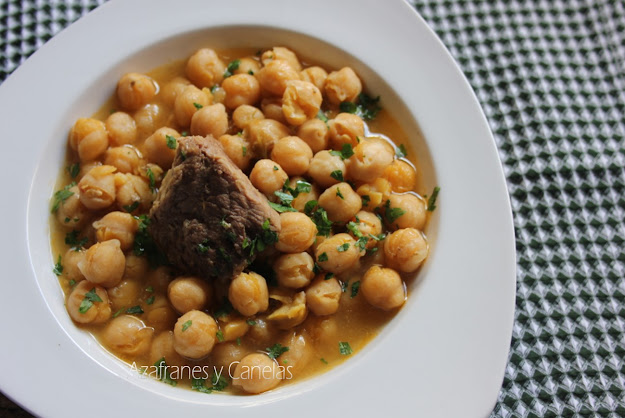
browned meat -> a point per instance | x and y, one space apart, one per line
208 218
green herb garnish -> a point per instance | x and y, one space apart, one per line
73 170
136 310
197 105
133 207
344 348
337 175
432 199
71 239
186 325
355 288
276 350
342 248
61 196
90 298
345 152
162 372
171 142
401 152
231 68
58 267
323 257
365 106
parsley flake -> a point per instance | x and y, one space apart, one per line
133 207
231 68
58 267
162 372
186 325
171 142
345 152
401 152
73 170
337 175
134 310
323 257
220 336
355 288
197 105
432 199
344 348
61 196
276 350
365 106
342 248
90 298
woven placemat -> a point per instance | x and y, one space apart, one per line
550 75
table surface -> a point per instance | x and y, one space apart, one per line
550 76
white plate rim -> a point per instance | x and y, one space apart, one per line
453 385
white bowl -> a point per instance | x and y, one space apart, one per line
444 354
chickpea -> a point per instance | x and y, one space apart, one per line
70 264
268 177
272 109
194 335
158 147
247 65
281 53
303 197
337 253
218 93
292 154
227 353
205 68
71 213
274 76
241 89
410 208
238 149
132 189
294 270
136 267
405 249
323 296
244 114
188 102
369 225
135 90
341 202
95 311
234 329
299 355
261 333
149 118
172 89
301 101
315 75
189 293
159 279
248 294
321 167
314 132
160 314
163 347
104 263
293 310
342 86
127 335
374 194
298 232
323 330
210 120
257 373
370 159
383 288
121 226
89 138
97 187
121 128
125 158
125 294
263 134
401 175
345 128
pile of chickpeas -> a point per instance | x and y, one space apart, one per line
280 122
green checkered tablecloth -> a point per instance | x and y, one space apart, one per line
550 76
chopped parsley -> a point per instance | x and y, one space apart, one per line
345 152
365 106
90 298
231 68
162 372
134 310
353 228
344 348
324 361
263 240
361 243
328 276
58 267
323 257
150 300
116 314
342 248
73 170
285 198
71 239
339 194
322 116
244 151
203 247
401 152
281 208
301 186
186 325
275 168
355 288
320 217
197 105
133 207
218 383
276 350
365 200
392 214
432 199
151 179
61 196
251 322
337 175
144 245
344 286
200 386
71 283
220 336
171 142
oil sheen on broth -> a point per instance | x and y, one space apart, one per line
308 306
